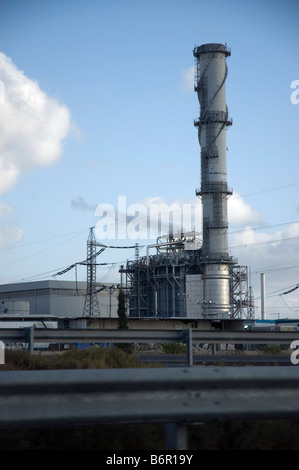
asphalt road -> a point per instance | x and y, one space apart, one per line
179 360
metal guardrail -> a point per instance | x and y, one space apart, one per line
188 336
177 395
68 336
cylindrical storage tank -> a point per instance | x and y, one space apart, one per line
216 291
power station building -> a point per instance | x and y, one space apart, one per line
187 277
170 283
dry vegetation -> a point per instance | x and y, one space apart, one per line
91 358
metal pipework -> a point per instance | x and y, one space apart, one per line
158 245
210 77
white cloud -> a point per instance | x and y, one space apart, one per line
32 125
241 214
32 129
187 77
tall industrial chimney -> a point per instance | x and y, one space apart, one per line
210 77
263 296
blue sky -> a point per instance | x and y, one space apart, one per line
105 108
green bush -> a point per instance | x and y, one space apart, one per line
174 348
272 349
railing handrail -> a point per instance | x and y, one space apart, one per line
59 397
77 335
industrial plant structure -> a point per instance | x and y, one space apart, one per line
186 276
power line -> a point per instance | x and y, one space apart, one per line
262 191
39 252
262 227
264 243
79 232
266 270
291 290
278 292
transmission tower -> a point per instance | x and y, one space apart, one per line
91 304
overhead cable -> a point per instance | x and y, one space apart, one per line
291 290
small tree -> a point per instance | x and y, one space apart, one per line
121 310
122 320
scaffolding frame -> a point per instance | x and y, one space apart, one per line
240 293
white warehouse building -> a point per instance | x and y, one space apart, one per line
60 299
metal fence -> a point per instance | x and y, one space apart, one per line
188 336
175 396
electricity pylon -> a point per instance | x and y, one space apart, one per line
91 304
